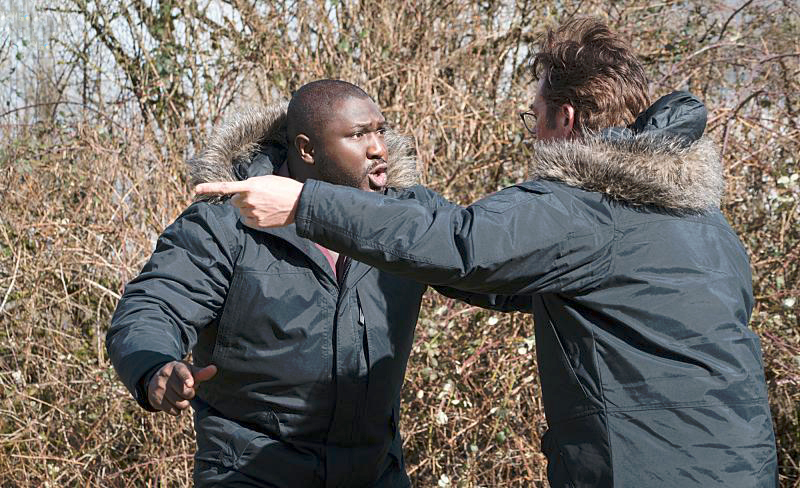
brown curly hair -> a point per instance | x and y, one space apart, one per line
585 64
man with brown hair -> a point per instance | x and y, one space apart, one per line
641 291
585 68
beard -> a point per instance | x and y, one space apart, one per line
330 173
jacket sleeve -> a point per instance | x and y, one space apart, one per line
500 303
180 290
521 240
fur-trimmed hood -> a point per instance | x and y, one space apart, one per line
253 143
662 159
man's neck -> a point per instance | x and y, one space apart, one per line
283 170
296 170
286 171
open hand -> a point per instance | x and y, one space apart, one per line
263 201
172 386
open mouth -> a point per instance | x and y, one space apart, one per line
378 177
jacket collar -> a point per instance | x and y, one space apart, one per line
662 159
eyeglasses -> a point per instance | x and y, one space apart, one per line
529 121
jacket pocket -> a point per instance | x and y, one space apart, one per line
230 454
277 323
224 443
720 445
230 315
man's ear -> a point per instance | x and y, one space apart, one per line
304 148
567 119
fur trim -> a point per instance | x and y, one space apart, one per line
640 170
403 170
236 141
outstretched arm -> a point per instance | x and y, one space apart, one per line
500 303
521 240
512 242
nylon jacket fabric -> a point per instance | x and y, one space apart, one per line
641 295
309 374
309 367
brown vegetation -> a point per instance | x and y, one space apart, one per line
93 170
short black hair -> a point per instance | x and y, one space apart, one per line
313 104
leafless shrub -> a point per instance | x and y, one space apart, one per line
83 195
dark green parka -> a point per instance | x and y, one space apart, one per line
310 367
641 296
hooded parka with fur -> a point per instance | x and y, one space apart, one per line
310 367
641 297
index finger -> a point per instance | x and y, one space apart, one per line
221 187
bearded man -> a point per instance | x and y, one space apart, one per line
641 290
299 353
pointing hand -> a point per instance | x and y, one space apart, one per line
263 201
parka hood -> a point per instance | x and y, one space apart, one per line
253 143
662 159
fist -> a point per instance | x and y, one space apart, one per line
172 386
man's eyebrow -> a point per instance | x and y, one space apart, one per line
368 125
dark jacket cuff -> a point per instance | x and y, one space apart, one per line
305 208
140 394
136 369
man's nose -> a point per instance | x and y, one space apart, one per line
377 147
